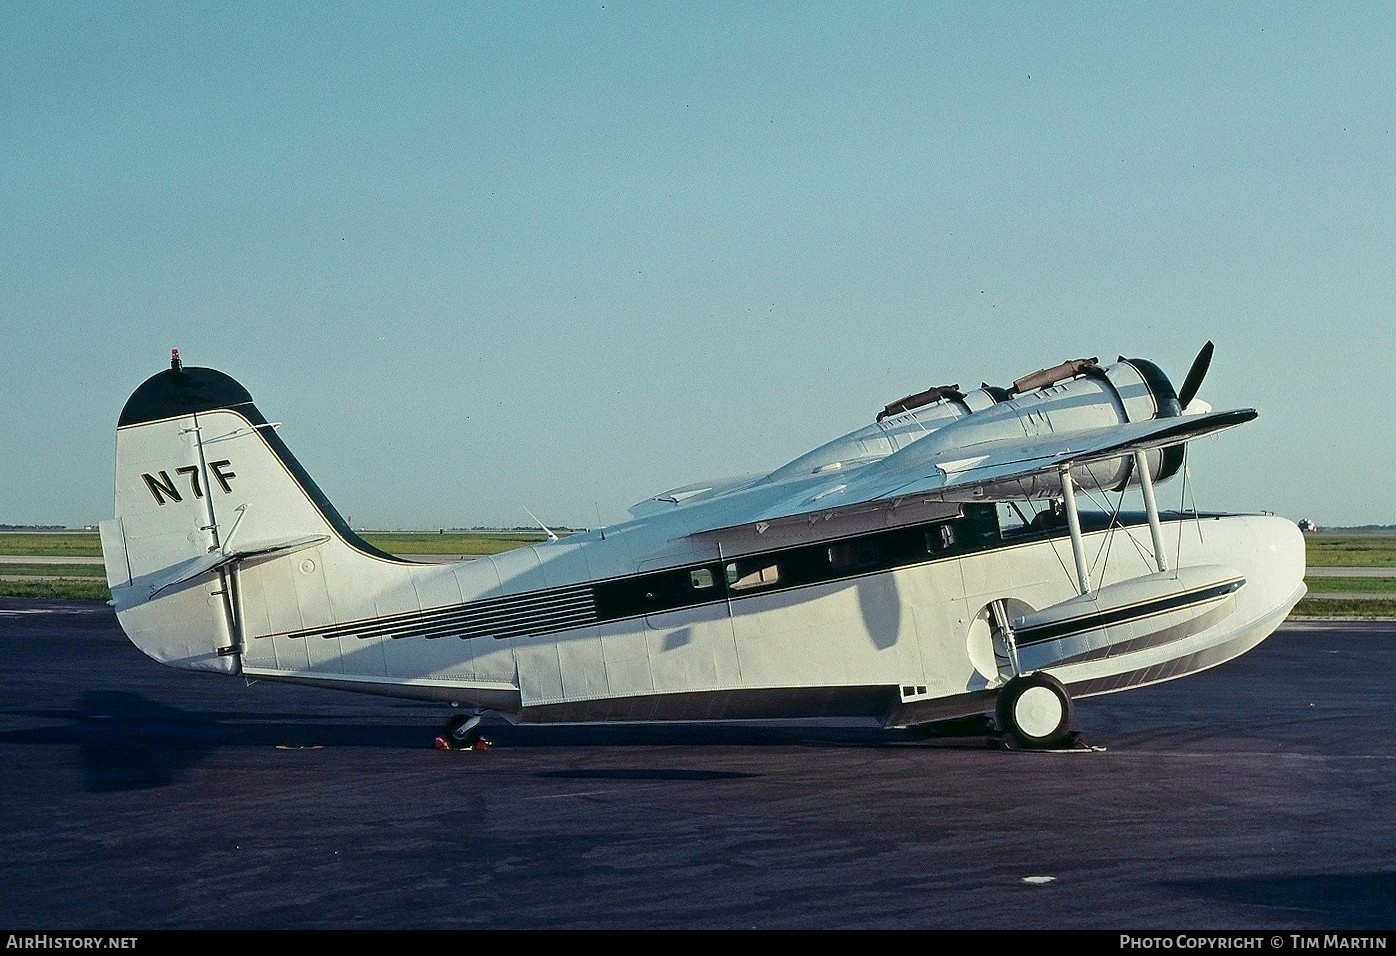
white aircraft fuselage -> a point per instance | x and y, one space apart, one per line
882 576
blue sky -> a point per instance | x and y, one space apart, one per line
483 259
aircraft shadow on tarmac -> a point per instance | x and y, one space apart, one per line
126 741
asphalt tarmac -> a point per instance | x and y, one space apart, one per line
1255 796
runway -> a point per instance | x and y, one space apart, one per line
1256 796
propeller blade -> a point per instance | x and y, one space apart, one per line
1195 375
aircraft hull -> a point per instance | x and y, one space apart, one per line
908 644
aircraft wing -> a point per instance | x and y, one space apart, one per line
695 491
995 470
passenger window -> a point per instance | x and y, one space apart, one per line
852 555
743 575
940 538
700 578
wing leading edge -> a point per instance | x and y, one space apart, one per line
1002 469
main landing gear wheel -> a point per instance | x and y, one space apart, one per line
1034 712
462 733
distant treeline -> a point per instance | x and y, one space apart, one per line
521 527
477 529
514 530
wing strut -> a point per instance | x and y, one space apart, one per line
1146 484
1073 523
1073 518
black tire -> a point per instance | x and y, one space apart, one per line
1034 712
462 731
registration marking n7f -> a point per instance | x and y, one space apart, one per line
164 488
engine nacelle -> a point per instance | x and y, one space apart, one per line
1075 395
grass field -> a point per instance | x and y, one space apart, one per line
57 544
55 570
87 544
408 543
1376 608
56 590
1326 585
1325 549
1359 549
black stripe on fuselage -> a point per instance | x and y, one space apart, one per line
710 583
688 586
1028 636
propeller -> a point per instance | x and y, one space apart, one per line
1195 375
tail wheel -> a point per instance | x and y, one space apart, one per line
1034 711
462 732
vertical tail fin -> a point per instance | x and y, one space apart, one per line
202 481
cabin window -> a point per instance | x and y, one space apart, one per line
742 575
940 538
700 578
853 555
979 526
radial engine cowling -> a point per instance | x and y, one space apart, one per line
1130 390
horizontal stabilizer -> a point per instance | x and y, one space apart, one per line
203 564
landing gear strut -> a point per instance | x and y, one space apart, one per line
462 732
1034 712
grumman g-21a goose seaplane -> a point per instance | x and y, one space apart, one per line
928 569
